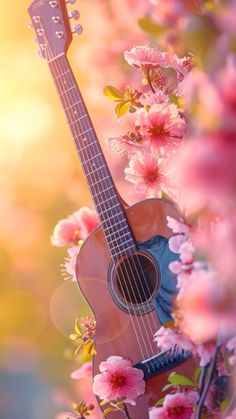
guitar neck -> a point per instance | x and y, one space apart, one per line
104 194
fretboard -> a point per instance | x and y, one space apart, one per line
104 194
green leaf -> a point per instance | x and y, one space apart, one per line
167 386
122 108
196 375
73 336
149 26
224 405
113 93
78 329
180 380
160 402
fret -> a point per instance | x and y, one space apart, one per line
99 181
92 158
77 120
120 230
67 108
117 223
109 209
123 243
61 75
101 192
96 170
83 133
68 90
106 199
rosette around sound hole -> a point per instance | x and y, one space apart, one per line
134 281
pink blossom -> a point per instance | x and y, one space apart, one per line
232 415
75 227
231 346
209 162
118 379
85 371
148 174
69 266
167 338
178 405
205 352
182 65
161 126
145 56
150 98
177 226
175 242
204 301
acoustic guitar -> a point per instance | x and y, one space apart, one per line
122 267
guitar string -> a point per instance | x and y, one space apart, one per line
87 159
87 155
134 266
89 138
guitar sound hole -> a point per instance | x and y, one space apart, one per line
135 281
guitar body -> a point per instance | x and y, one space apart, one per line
114 332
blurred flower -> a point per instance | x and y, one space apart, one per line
150 98
69 266
204 300
231 346
147 173
118 379
232 415
167 338
84 371
178 405
209 162
75 227
161 126
146 57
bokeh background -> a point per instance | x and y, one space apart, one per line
41 182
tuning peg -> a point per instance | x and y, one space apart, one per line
71 1
74 14
78 29
30 26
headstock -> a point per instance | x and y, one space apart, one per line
50 20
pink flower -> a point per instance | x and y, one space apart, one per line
148 174
151 98
118 380
204 301
231 346
167 338
232 415
161 126
70 263
85 371
209 162
177 226
176 406
145 56
75 227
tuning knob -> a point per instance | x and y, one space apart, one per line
71 1
74 14
78 29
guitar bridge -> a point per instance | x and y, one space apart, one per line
163 362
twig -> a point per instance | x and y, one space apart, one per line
126 412
207 384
